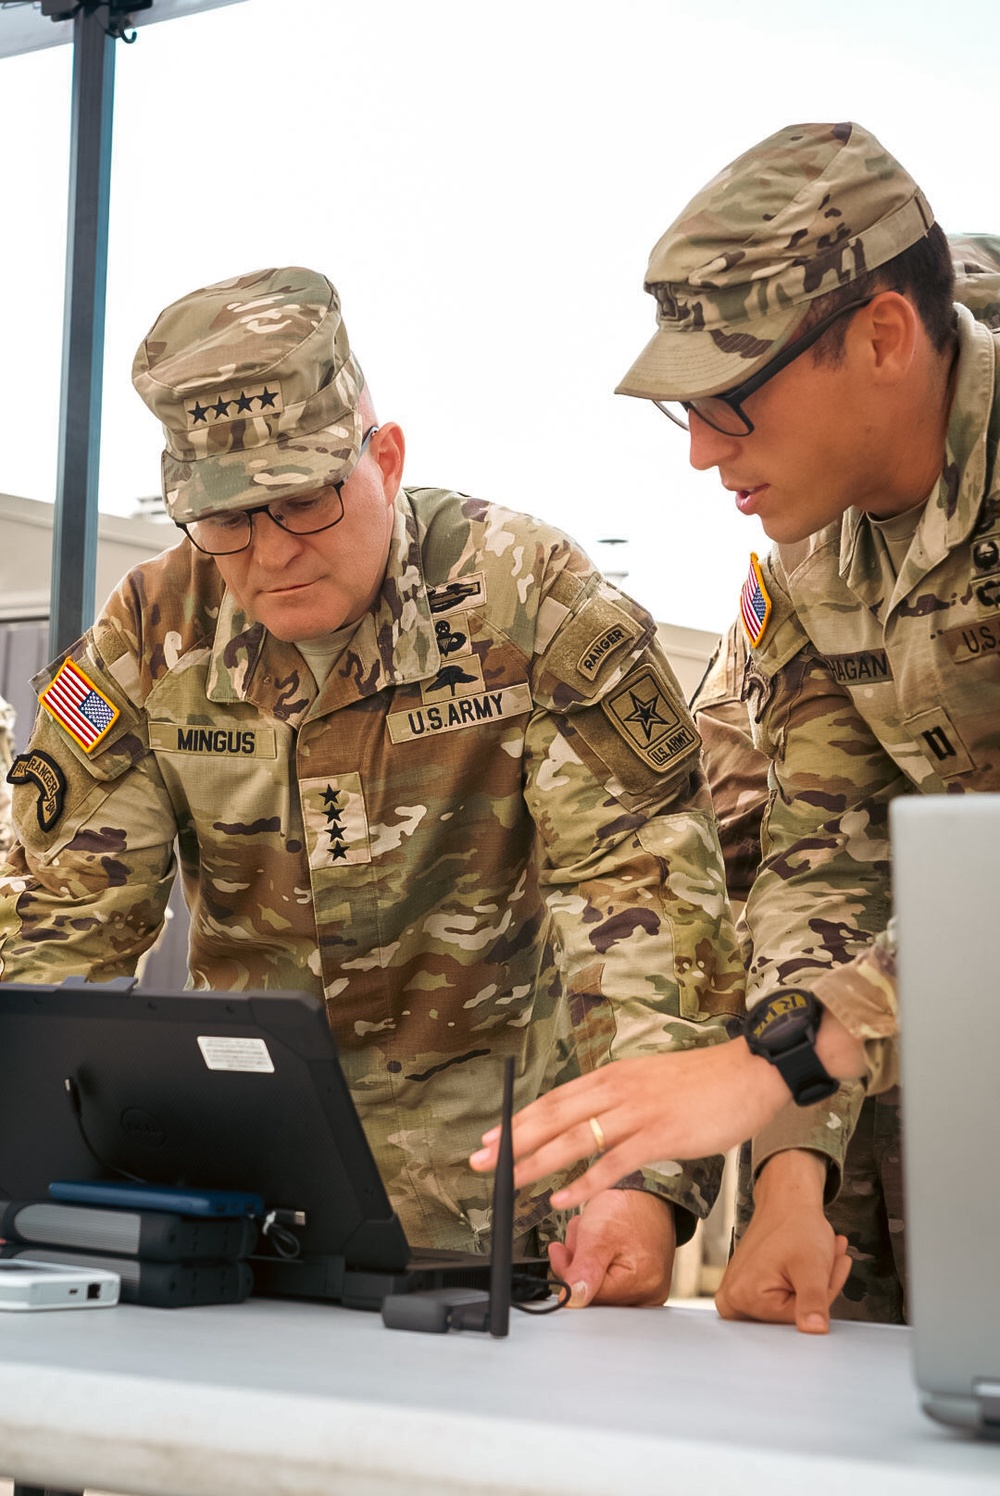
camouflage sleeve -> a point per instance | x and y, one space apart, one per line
823 891
630 867
863 996
84 888
6 755
736 770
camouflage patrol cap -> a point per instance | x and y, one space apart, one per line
257 389
804 212
976 258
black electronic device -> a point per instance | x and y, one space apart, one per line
439 1309
234 1090
157 1285
128 1194
153 1235
782 1029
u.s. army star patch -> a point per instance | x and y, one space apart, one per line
642 711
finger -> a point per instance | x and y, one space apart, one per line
565 1107
558 1154
841 1271
748 1296
603 1174
561 1260
585 1270
776 1307
546 1123
561 1153
623 1289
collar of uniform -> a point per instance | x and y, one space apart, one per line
249 664
952 508
395 643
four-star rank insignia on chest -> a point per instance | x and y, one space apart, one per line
755 605
79 707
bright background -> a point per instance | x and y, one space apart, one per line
483 183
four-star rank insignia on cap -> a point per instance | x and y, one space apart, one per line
755 605
79 707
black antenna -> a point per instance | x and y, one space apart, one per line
503 1213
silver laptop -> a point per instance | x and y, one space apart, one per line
946 893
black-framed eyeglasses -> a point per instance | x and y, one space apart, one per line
231 530
725 412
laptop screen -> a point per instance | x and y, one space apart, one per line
235 1090
946 887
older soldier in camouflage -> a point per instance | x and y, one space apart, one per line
809 342
418 758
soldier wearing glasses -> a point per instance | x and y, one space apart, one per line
418 758
810 344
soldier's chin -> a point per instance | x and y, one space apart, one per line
302 625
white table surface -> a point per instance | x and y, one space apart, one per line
291 1399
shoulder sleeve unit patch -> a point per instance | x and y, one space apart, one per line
755 605
78 706
643 713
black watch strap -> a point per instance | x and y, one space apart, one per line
782 1029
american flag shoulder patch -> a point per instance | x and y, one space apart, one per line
79 707
755 605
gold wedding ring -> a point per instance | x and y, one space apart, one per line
598 1132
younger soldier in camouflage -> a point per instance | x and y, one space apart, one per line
867 1213
418 758
873 626
809 342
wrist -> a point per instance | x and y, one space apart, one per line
795 1172
842 1055
783 1028
761 1078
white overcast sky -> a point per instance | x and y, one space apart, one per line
483 182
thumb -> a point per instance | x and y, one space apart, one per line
583 1266
812 1304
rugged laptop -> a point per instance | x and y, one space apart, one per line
946 894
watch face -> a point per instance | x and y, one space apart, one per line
784 1018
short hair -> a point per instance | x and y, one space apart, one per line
924 272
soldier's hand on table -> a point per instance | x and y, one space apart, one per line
790 1266
619 1250
667 1106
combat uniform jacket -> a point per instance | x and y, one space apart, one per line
867 685
485 835
6 756
737 773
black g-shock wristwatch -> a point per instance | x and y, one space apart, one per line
782 1028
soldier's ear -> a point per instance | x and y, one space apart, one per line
388 449
891 326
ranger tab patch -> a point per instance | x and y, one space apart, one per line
79 707
755 605
38 769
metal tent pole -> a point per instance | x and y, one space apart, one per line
74 541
